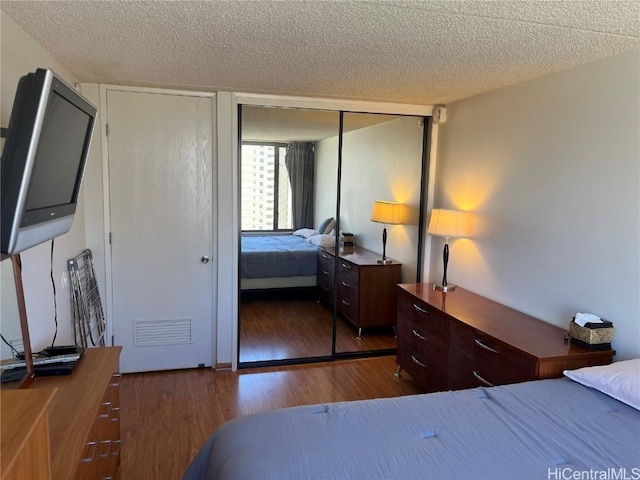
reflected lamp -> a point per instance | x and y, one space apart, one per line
447 224
387 213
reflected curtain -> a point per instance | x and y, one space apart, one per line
300 166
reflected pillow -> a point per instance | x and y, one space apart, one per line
323 240
620 380
326 226
305 232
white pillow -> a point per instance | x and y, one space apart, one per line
305 232
620 380
323 240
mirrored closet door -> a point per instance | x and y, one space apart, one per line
316 281
288 186
380 196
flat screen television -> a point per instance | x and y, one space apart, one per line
43 160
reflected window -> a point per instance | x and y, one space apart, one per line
265 189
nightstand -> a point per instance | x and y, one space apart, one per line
367 290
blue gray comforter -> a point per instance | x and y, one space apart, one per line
277 256
537 430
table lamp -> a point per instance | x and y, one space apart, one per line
388 213
447 224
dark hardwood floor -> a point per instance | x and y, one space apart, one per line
277 325
167 416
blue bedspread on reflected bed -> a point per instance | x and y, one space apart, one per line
277 256
537 430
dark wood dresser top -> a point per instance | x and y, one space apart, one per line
358 255
524 332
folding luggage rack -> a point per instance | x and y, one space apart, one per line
88 316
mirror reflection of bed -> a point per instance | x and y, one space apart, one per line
289 188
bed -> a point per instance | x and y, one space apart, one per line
280 261
547 429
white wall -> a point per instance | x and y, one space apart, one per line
19 55
380 162
550 170
383 162
326 174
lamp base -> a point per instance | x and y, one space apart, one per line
445 288
384 262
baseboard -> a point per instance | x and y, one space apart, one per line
223 367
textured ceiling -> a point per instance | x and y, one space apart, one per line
421 52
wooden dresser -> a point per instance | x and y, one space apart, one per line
456 340
83 420
366 289
25 434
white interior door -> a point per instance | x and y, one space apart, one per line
160 187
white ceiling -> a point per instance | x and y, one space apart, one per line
421 52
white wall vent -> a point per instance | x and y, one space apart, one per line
171 331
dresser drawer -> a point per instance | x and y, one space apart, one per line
499 364
325 261
421 369
325 277
477 359
426 347
348 274
348 303
461 371
421 317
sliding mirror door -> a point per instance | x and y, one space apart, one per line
380 189
288 189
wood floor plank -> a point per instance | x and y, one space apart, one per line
167 416
292 324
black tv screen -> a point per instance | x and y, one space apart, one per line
43 160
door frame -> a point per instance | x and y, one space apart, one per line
228 151
106 199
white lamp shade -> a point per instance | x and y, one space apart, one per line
448 223
389 213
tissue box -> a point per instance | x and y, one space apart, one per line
593 336
347 239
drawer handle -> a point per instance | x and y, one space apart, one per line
325 256
482 345
418 362
115 451
417 335
89 457
420 309
115 414
325 272
106 447
346 284
106 409
326 289
346 303
486 382
348 267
